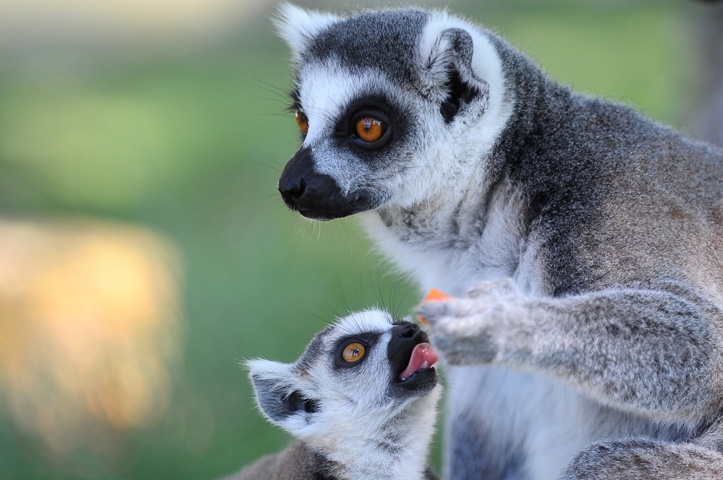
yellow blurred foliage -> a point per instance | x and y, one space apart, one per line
89 326
125 18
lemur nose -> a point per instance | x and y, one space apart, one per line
408 331
293 188
293 182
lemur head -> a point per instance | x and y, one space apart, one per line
364 382
386 101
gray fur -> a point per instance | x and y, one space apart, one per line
584 241
645 459
354 42
296 462
351 421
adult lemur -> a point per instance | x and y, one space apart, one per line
361 400
585 240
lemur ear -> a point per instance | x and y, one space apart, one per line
449 73
277 395
298 27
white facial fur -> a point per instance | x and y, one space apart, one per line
320 96
432 149
307 24
569 203
358 422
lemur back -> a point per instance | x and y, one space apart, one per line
361 402
584 241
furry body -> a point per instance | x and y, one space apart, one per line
353 420
585 242
296 461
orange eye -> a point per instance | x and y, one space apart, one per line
302 121
353 352
370 129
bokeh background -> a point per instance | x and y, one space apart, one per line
144 251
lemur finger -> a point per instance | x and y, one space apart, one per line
434 295
461 342
502 287
450 310
431 312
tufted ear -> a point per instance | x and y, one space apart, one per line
298 27
449 74
277 394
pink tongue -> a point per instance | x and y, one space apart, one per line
423 356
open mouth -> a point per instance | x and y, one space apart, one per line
420 366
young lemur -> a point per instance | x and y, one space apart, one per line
361 400
584 241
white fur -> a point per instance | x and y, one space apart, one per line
319 92
322 85
455 270
437 224
298 26
464 141
356 413
553 437
455 152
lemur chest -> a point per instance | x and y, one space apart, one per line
439 253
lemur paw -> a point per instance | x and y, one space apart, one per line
470 330
494 289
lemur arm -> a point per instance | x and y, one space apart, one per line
650 352
644 459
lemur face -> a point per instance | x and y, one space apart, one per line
384 101
366 368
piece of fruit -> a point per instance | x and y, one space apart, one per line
434 295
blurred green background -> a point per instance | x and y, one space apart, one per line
144 251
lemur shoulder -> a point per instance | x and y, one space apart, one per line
584 242
361 402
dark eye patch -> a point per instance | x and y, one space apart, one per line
372 106
366 339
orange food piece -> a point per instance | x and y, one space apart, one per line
434 295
